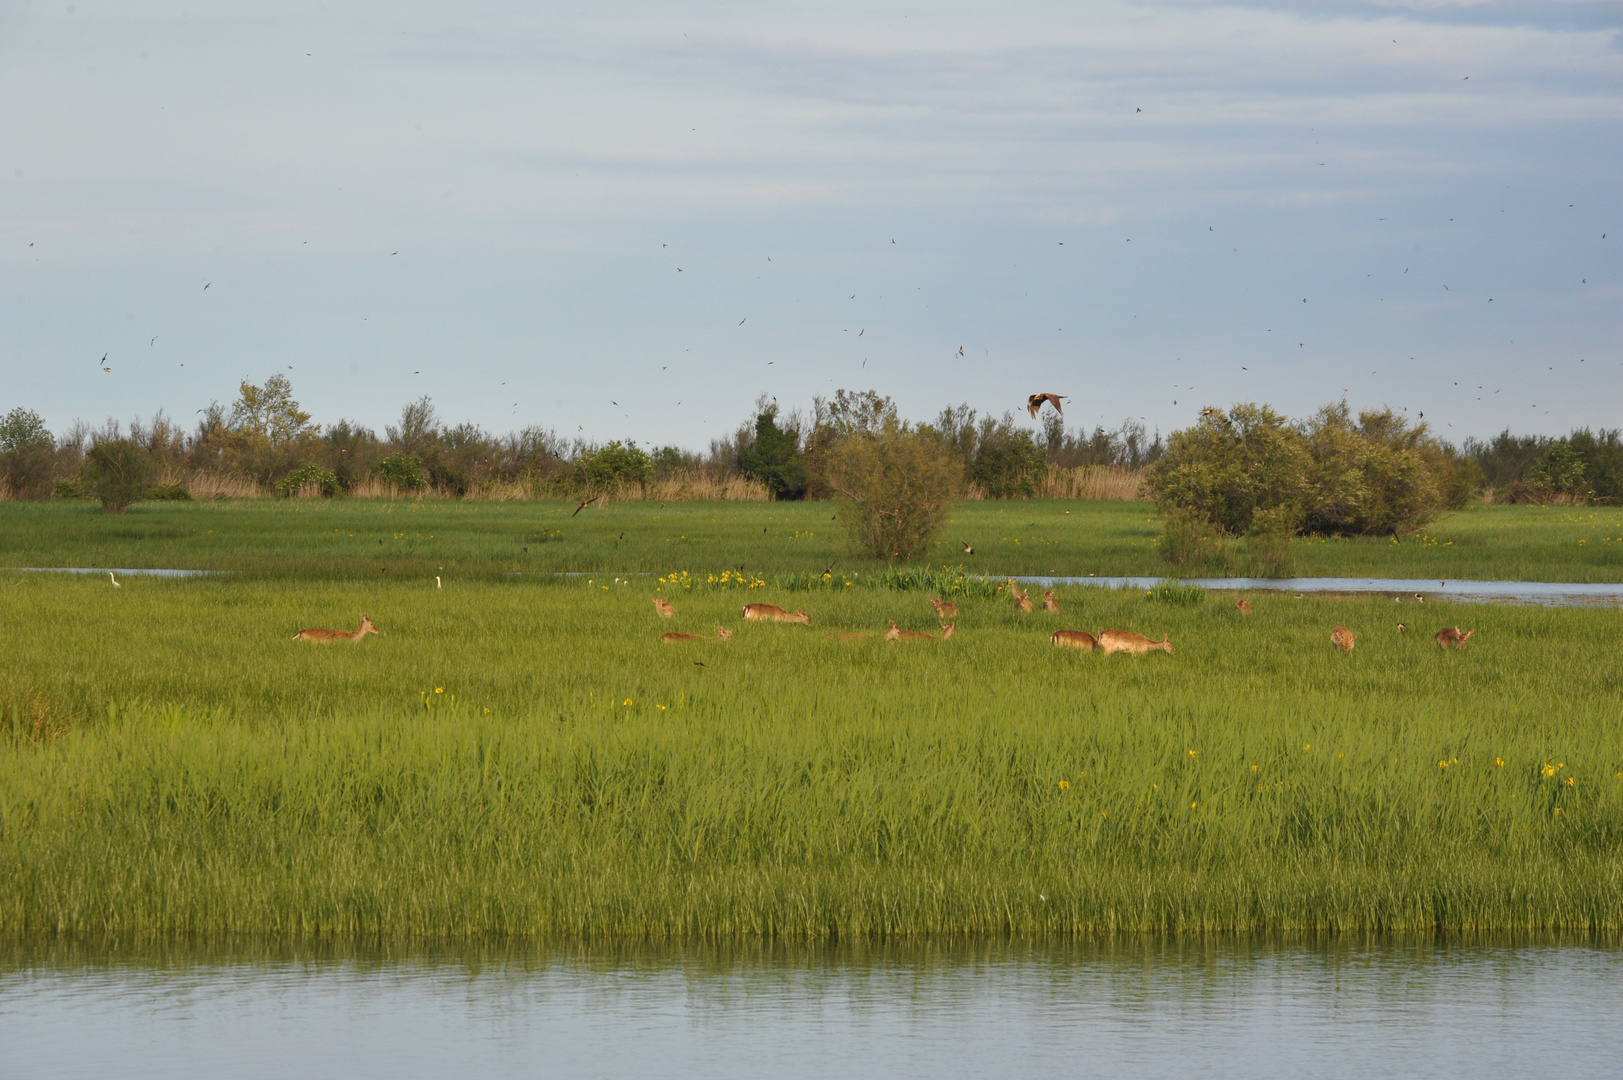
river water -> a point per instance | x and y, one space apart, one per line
1210 1008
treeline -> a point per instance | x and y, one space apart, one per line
265 444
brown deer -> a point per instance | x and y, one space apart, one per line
1049 603
1343 639
943 609
665 608
896 633
1076 639
1453 636
1113 641
722 634
1243 606
1022 602
773 613
365 628
947 629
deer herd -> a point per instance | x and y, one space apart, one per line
1104 641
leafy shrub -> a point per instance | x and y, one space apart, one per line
610 467
1186 539
118 472
70 489
1268 542
167 493
1008 462
1560 471
402 471
309 474
898 485
1329 475
26 448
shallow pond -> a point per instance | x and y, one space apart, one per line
1162 1009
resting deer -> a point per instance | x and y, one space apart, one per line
722 634
365 628
1243 606
1112 641
1022 602
665 608
1343 639
1076 639
773 613
943 609
1453 636
1049 603
896 633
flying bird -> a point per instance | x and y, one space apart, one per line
967 549
583 506
206 287
1035 403
960 350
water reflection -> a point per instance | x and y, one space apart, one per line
1182 1008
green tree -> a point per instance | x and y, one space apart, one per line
1008 462
1228 466
610 467
269 413
1560 471
774 457
117 471
26 451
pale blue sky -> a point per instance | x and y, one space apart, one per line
678 207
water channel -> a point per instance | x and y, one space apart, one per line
1208 1008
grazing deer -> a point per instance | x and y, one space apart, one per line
1112 641
1343 639
664 607
773 613
943 609
1243 606
1453 636
366 628
1076 639
1049 603
896 633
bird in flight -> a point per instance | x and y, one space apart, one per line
583 505
206 287
967 549
960 350
1035 403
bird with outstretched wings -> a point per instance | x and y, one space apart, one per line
1035 402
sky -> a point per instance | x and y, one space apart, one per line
630 220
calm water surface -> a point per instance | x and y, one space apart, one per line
1140 1009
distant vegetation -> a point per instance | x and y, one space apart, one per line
265 445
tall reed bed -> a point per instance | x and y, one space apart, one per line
519 759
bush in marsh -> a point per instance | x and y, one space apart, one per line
896 489
118 473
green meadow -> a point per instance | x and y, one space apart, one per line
362 538
523 756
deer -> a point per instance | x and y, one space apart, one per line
665 608
1075 639
773 613
722 634
1243 606
1049 603
1453 636
365 628
1022 602
1113 641
1343 639
943 609
896 633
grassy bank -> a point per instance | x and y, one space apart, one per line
528 758
371 538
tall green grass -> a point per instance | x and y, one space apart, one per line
366 539
530 759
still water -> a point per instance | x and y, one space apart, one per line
1141 1009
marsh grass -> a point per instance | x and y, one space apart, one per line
361 539
517 758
